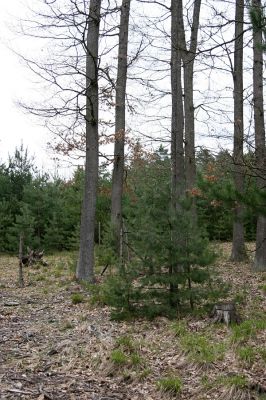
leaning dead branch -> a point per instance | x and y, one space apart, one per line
20 270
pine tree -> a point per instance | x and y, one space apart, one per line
159 238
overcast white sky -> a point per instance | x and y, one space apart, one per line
15 81
17 126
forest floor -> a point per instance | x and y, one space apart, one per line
51 348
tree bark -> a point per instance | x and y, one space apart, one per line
188 58
85 266
120 111
238 246
177 122
260 152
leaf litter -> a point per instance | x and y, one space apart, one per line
51 349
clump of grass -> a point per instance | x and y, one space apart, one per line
72 263
263 289
127 354
68 325
179 328
60 266
233 387
171 384
118 357
126 342
240 298
246 354
247 330
201 350
236 381
41 278
262 353
206 383
57 273
77 298
135 359
144 374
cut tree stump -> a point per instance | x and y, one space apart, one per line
225 312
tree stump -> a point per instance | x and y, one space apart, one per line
225 312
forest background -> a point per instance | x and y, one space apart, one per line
178 79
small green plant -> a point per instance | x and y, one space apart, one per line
200 349
179 328
77 298
118 357
247 354
172 384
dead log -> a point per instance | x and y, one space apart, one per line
225 312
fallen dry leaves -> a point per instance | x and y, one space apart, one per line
51 349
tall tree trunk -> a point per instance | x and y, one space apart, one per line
177 134
188 58
120 110
177 122
238 247
260 256
85 266
190 162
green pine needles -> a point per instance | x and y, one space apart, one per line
169 258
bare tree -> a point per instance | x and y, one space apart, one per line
260 153
238 245
85 266
120 118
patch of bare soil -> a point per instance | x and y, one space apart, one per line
53 349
